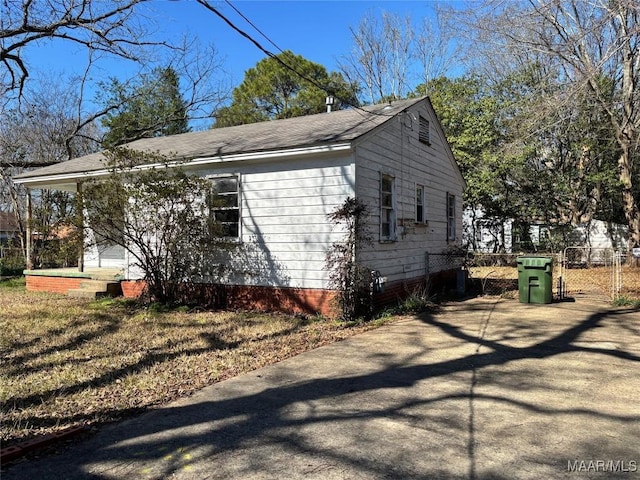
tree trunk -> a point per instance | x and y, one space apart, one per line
630 204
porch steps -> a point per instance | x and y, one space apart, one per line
93 289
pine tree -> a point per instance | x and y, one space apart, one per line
152 108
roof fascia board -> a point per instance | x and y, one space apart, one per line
447 146
270 155
191 164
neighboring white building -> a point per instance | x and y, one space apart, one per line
288 175
483 235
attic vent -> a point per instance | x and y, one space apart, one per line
423 134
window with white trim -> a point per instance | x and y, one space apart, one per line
451 216
420 213
387 208
224 206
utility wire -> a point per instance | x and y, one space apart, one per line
253 25
211 8
264 35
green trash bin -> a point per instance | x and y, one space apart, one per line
535 279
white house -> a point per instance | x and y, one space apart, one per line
488 235
288 175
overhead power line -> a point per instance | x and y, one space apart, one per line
270 54
264 35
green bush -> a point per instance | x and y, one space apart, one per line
12 265
416 302
19 282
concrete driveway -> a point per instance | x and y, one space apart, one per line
482 389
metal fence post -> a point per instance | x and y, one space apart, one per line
616 272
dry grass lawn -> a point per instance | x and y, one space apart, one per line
71 362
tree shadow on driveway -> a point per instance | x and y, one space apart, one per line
479 390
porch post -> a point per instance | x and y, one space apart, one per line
80 216
29 239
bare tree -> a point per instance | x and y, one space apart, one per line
43 131
390 56
108 26
45 124
205 84
380 57
163 101
50 125
595 47
435 48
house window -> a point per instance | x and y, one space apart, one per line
451 217
387 208
423 133
419 204
224 207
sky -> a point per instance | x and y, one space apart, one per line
317 30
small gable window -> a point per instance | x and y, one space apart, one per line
423 134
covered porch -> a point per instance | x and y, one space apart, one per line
98 272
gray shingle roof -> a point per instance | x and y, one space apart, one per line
312 130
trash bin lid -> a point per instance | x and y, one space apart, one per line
534 261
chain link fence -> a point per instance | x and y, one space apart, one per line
497 274
445 272
578 272
598 272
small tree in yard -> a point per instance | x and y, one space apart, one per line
160 215
347 276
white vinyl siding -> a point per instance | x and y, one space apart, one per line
396 150
284 205
104 255
284 231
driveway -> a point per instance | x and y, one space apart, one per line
482 389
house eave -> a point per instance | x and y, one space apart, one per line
66 181
270 155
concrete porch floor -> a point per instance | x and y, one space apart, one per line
91 283
93 273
